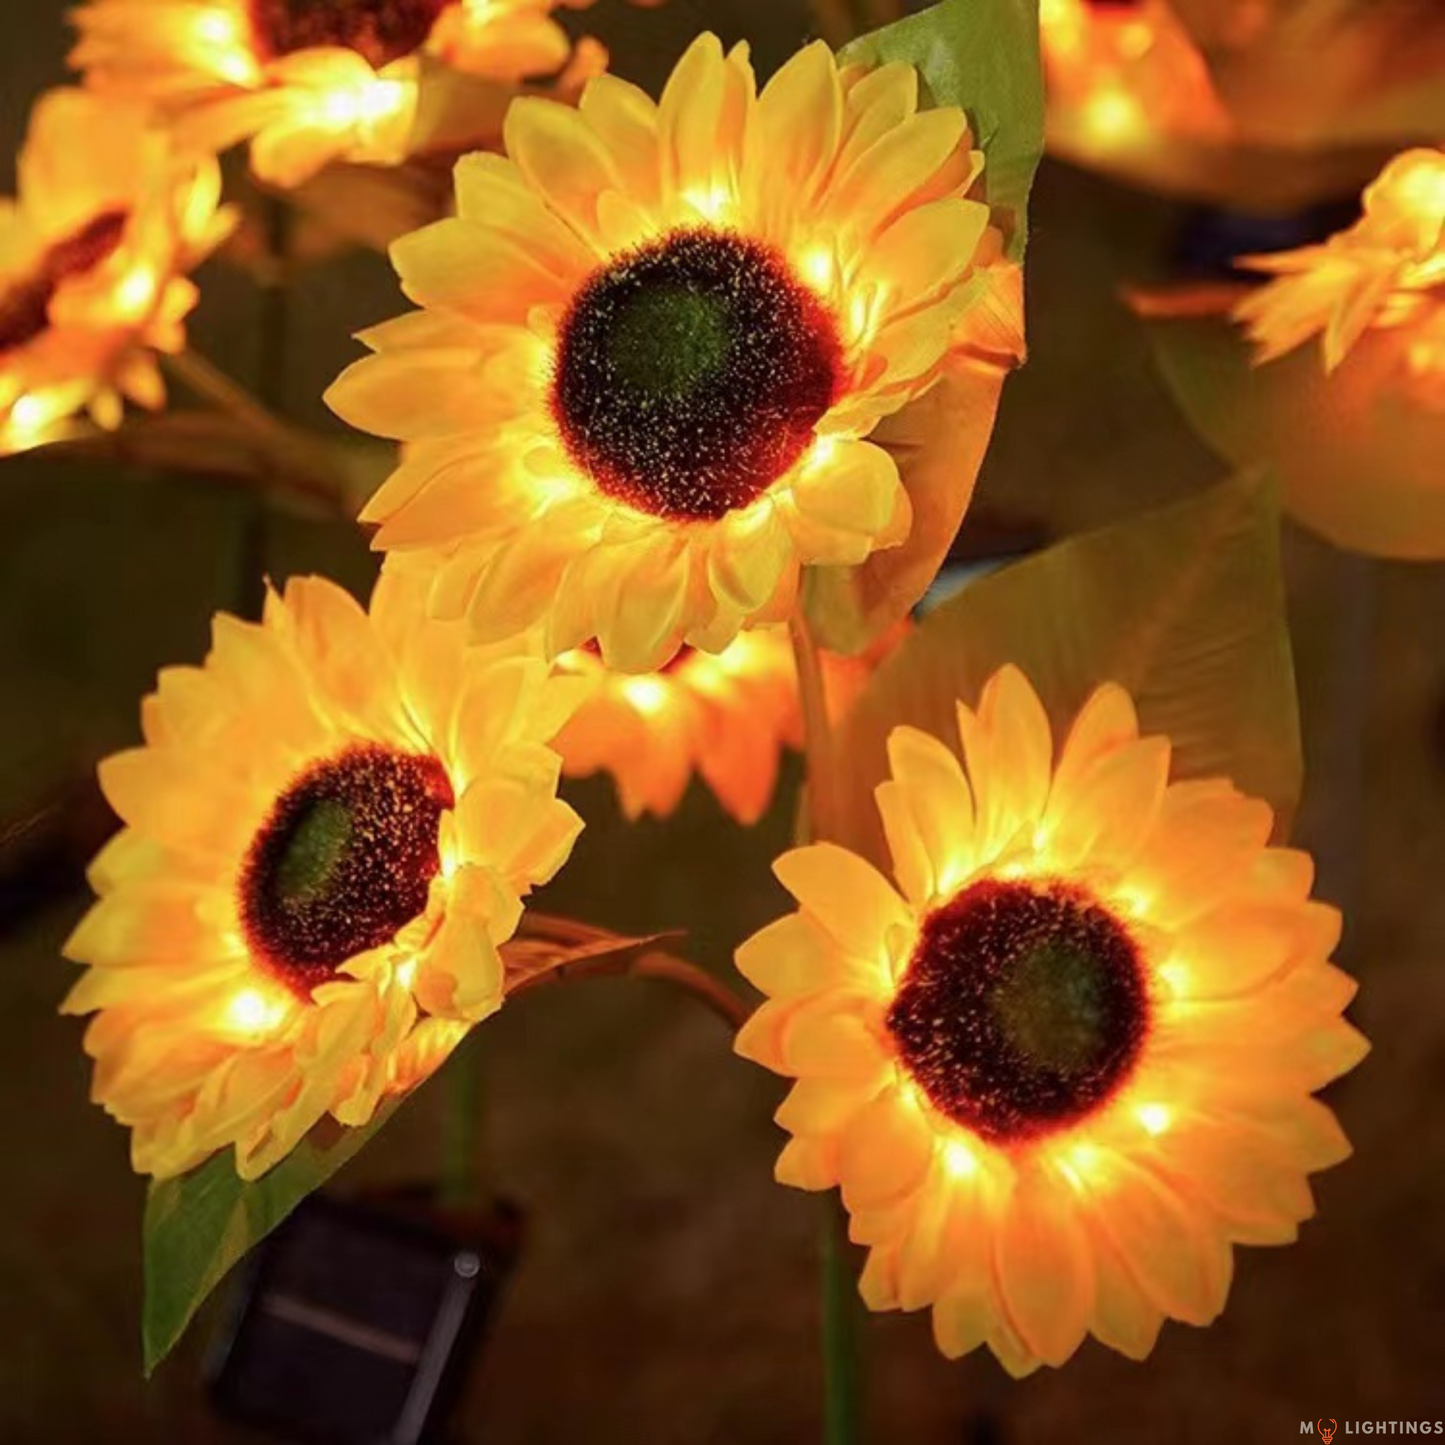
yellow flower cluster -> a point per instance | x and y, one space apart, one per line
1387 270
646 396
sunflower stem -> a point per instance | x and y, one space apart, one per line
842 1375
286 460
211 384
818 743
462 1124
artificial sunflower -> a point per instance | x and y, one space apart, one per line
656 338
93 254
1068 1064
307 82
328 833
727 717
1119 74
1268 106
1386 270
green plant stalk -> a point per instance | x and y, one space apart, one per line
842 1384
842 1375
461 1174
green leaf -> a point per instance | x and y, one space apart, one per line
1183 606
1357 452
200 1224
982 56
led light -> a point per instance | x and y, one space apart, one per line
711 202
1133 900
959 1160
363 107
1175 977
819 454
136 292
1113 113
646 694
1421 191
253 1013
215 27
1153 1117
27 416
817 267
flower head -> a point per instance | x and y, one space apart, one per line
1386 270
1068 1063
726 717
93 256
307 82
655 340
1120 77
329 830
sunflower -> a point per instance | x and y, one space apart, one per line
328 833
93 253
308 81
1386 270
1120 77
727 717
656 338
1069 1063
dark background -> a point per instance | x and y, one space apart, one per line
669 1292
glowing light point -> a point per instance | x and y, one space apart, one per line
711 202
1155 1118
27 416
136 292
959 1160
254 1013
817 267
646 694
1113 114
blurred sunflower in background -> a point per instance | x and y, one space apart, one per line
1118 71
1385 271
329 830
726 717
1269 105
93 256
656 338
308 82
1068 1064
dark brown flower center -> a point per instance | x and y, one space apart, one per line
1022 1009
691 372
378 30
344 861
25 304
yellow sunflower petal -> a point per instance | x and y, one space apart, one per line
846 896
1045 1271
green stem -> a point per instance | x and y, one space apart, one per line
841 1377
462 1124
818 746
273 319
841 1371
